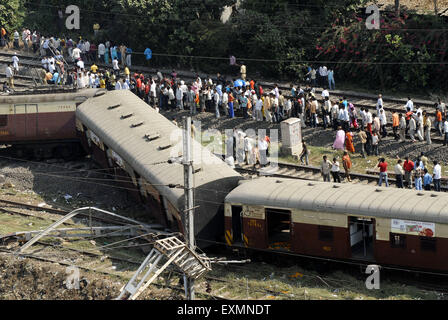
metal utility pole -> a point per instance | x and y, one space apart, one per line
189 204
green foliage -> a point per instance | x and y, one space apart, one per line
402 55
275 37
11 14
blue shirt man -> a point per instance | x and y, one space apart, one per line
427 180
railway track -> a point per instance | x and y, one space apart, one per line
311 173
358 99
325 280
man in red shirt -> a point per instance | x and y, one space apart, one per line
139 86
383 172
407 117
408 167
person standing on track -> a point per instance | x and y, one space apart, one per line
445 130
408 167
382 164
420 126
438 122
427 180
427 126
412 127
402 128
383 123
347 163
325 168
395 124
10 76
15 63
335 171
399 174
437 175
243 71
363 138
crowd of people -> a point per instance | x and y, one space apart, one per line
64 62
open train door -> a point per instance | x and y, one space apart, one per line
362 237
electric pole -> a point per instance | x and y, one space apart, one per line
189 201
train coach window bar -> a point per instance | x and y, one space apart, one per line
164 147
126 116
114 106
136 125
397 240
149 137
428 244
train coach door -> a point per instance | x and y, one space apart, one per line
25 125
31 120
236 224
362 237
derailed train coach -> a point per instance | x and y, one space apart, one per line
42 124
142 148
387 226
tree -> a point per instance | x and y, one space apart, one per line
11 14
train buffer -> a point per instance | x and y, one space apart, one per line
164 253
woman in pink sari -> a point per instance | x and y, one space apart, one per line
339 142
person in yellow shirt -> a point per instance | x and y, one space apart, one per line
127 73
102 83
94 68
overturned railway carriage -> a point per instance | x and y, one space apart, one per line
132 140
42 124
388 226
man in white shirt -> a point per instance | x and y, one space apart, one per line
179 96
437 175
399 174
216 102
409 104
383 122
258 108
116 67
379 104
262 149
325 168
334 115
118 85
101 52
87 49
76 54
15 63
325 93
445 131
10 76
80 64
362 113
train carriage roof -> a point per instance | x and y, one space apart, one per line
353 199
49 96
150 158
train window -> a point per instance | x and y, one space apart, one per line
325 233
3 120
397 240
428 244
